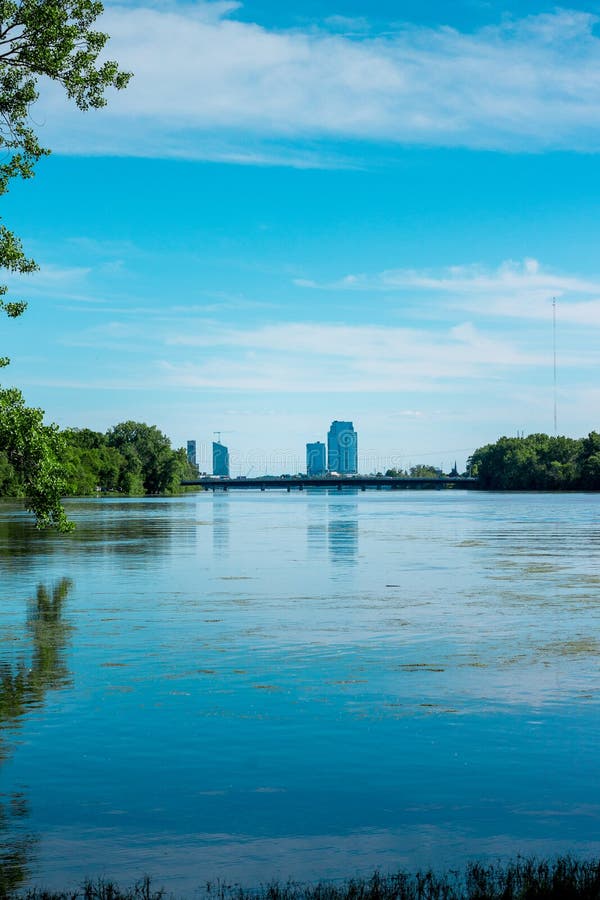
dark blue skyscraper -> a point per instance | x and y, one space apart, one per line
220 459
342 448
191 452
315 459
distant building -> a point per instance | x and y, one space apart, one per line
316 463
220 459
191 453
342 448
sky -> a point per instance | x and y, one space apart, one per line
321 210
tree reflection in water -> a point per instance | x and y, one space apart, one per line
23 686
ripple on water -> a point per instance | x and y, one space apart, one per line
305 686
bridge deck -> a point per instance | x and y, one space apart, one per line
358 481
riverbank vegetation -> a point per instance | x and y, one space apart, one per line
419 471
538 462
130 458
560 879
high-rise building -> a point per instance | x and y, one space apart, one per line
220 460
191 453
315 459
342 448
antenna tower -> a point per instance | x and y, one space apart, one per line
554 356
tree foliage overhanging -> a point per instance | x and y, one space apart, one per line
539 462
52 39
56 40
30 460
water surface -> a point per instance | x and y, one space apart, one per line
308 685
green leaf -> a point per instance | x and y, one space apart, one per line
52 39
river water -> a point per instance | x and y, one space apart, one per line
249 686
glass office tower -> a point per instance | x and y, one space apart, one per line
342 448
315 459
191 453
220 459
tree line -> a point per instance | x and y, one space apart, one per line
538 462
419 471
130 458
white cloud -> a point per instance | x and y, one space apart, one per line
49 276
522 290
50 281
310 357
351 341
209 86
509 276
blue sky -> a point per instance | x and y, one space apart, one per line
306 211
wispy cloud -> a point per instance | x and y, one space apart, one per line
310 357
51 281
522 290
50 276
209 86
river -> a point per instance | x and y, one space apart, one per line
309 685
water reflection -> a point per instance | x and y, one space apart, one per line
316 525
17 848
24 684
221 523
105 527
342 531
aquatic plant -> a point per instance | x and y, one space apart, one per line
564 878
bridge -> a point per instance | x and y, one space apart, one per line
360 482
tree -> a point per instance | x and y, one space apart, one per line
590 461
538 462
425 471
89 463
150 458
131 458
34 451
53 39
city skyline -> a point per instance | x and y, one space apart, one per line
319 457
369 253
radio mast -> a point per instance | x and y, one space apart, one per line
554 356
